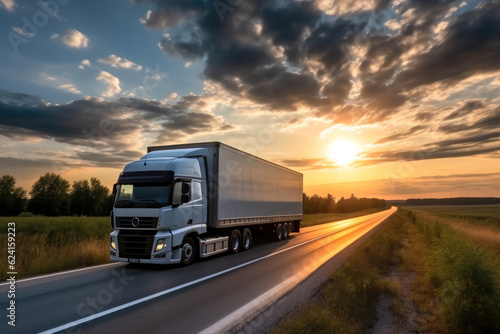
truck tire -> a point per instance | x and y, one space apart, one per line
279 232
188 251
234 241
246 239
286 231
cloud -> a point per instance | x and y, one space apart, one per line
99 129
84 63
8 5
112 81
22 32
115 61
353 62
401 135
470 47
75 39
467 108
59 83
439 186
70 88
323 56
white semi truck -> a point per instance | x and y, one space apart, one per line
180 202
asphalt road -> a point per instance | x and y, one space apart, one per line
210 296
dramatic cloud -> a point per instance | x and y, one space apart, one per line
329 56
470 46
105 133
116 61
112 81
75 39
350 62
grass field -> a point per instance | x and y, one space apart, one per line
479 222
51 244
459 210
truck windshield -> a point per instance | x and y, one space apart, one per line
142 195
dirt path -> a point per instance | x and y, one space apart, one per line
397 314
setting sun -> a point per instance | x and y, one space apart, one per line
343 152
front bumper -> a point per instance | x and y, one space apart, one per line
137 247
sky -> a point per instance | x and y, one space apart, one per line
390 99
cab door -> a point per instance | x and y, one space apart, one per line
182 207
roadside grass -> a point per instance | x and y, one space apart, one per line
322 218
50 244
349 298
457 287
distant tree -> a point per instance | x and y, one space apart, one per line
90 198
49 195
99 195
305 203
12 198
80 197
329 204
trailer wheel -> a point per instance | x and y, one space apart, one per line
188 253
234 240
279 232
290 228
286 231
246 240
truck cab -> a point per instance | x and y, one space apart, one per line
160 200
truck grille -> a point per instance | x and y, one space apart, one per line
135 244
144 222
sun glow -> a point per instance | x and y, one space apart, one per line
343 152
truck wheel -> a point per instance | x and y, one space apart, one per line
279 232
247 240
286 231
188 251
234 240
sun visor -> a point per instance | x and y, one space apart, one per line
146 177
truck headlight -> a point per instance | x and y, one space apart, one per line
113 243
159 245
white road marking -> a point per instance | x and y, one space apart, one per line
65 272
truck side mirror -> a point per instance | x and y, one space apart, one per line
184 198
185 188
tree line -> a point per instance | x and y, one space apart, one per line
52 195
328 204
453 201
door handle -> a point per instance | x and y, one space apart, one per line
190 221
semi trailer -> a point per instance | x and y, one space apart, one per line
182 202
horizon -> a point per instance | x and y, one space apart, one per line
384 99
